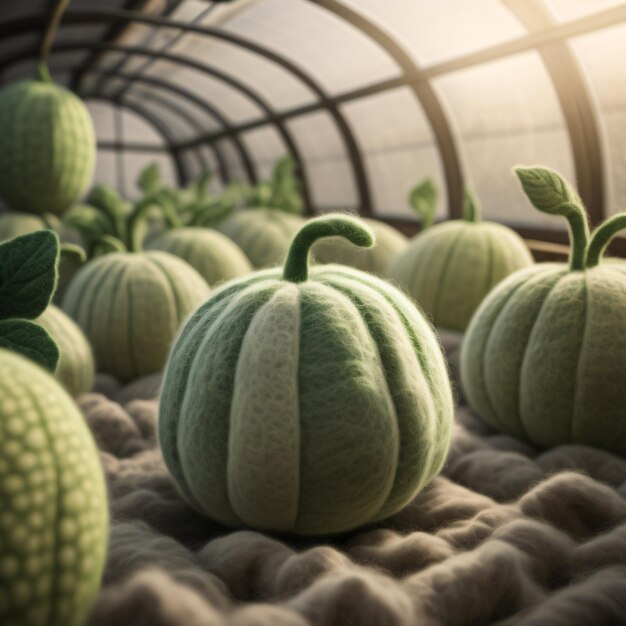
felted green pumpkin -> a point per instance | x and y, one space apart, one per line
75 370
47 146
389 243
129 303
449 268
54 517
14 224
262 233
544 358
307 405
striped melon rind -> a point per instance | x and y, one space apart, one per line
130 306
54 515
75 370
216 257
47 147
310 408
263 234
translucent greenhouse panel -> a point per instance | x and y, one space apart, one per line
330 174
106 168
192 163
266 147
399 149
277 86
216 184
507 113
136 129
572 9
102 116
235 107
134 162
440 30
602 56
338 55
232 159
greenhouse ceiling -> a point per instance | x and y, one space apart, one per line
367 96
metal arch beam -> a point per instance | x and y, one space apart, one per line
424 93
223 172
579 111
157 124
235 83
28 22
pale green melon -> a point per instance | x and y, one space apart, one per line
216 257
263 234
16 224
448 269
130 306
47 147
54 514
389 243
544 358
75 370
305 405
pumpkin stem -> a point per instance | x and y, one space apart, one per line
333 225
423 199
471 207
549 192
73 253
107 244
43 73
602 236
47 39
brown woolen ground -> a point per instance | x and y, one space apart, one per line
507 534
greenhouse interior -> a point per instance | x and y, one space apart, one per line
312 312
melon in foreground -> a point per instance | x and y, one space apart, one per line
47 146
449 268
389 243
544 358
75 369
305 404
54 520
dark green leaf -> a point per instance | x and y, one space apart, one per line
29 340
28 274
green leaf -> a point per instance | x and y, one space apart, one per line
423 198
29 340
28 274
149 179
546 189
109 202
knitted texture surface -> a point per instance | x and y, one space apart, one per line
16 224
507 534
449 268
263 234
76 368
130 307
311 407
389 243
545 356
47 147
54 517
216 257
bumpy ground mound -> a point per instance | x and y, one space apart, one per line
508 534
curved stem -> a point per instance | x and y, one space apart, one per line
471 207
602 236
296 268
47 39
72 252
106 245
578 234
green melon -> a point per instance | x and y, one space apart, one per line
216 257
310 406
54 514
130 306
47 147
544 358
449 268
263 234
389 243
75 370
16 224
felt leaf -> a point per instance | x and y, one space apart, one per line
29 340
423 198
28 274
149 179
109 202
546 189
